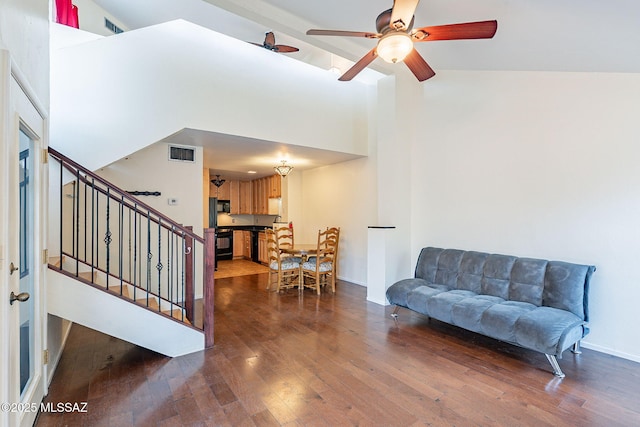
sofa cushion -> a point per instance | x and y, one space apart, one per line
566 287
448 267
417 298
439 306
548 330
499 320
398 292
428 264
467 312
527 280
497 275
471 268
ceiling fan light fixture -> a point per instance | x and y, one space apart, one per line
394 46
284 169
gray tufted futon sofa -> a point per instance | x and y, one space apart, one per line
533 303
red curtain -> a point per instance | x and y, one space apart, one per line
67 13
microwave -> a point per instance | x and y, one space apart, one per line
224 206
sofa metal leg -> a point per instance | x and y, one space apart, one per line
576 348
554 364
395 313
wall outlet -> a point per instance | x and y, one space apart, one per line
172 201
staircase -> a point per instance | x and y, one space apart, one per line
121 267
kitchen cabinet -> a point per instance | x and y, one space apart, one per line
241 244
238 244
221 193
275 186
234 197
250 197
263 256
259 196
245 198
247 244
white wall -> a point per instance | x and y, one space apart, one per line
91 18
340 195
542 165
178 75
24 30
151 170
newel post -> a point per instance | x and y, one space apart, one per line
189 293
209 269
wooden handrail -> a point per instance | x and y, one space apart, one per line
131 199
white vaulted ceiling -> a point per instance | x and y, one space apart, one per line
533 35
540 35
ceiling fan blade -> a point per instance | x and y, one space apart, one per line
402 13
419 66
468 30
343 33
269 39
284 48
256 44
359 66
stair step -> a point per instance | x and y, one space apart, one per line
177 314
87 275
56 261
153 304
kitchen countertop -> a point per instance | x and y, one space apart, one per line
245 227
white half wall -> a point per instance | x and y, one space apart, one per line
118 94
542 165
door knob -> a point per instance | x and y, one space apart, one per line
13 268
22 297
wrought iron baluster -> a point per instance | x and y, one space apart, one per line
93 213
181 278
159 266
61 210
149 255
120 241
84 231
107 235
135 250
76 219
169 266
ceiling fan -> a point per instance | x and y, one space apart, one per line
270 44
396 37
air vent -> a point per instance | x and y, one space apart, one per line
112 27
182 154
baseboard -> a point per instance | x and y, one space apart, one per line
606 350
355 282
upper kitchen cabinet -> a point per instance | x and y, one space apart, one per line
234 197
221 193
250 197
245 198
264 189
275 186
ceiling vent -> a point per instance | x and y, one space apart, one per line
182 154
112 27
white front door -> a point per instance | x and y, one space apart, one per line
22 269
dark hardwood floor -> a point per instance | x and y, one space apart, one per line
333 360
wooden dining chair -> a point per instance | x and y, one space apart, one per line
320 270
285 269
284 235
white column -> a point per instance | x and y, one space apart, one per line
382 262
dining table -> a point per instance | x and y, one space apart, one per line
303 250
